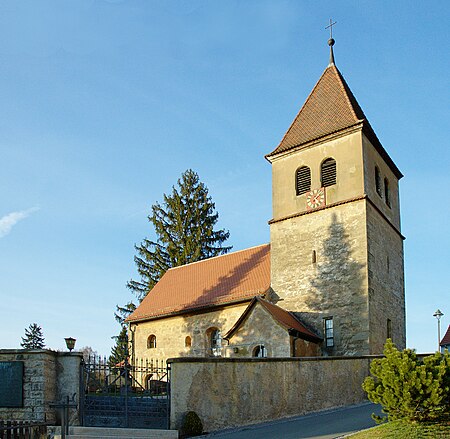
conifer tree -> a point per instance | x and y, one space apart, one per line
120 351
184 226
408 387
34 338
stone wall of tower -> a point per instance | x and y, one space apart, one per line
386 282
385 253
336 285
373 159
347 152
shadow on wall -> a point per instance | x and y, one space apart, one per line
337 291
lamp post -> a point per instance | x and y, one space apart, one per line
438 314
70 343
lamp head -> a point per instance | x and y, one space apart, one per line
438 314
70 343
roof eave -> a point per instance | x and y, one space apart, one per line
366 128
190 310
303 336
373 139
325 138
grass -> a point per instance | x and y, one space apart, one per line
406 430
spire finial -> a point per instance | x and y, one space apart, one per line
331 41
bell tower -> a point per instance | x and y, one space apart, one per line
336 244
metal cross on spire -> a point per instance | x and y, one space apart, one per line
330 26
331 41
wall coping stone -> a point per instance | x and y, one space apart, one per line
40 351
274 359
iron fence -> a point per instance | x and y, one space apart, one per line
22 430
126 394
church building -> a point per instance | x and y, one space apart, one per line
331 280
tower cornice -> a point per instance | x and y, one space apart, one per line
339 203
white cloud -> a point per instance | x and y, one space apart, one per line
7 222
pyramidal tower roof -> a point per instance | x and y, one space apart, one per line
330 108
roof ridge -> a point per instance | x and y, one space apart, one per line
346 89
218 256
300 111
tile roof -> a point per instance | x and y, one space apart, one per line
446 340
330 107
283 317
233 277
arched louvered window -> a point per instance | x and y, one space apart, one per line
328 172
387 194
302 180
377 181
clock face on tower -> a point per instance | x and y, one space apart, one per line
315 198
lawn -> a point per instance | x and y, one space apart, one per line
405 430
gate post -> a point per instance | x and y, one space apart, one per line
82 392
126 391
169 394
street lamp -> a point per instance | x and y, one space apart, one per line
438 314
70 343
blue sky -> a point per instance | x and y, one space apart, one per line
105 103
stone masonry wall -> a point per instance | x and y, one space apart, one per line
48 377
336 285
260 328
171 333
234 392
39 385
386 282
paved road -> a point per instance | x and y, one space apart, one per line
324 425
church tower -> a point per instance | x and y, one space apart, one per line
336 244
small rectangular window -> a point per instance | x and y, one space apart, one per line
329 332
389 329
387 194
377 181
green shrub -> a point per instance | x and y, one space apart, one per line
192 425
408 387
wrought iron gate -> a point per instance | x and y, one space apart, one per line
133 395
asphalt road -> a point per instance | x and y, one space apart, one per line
323 425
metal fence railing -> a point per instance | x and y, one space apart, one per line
22 430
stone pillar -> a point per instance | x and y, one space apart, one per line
48 377
68 382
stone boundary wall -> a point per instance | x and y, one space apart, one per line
49 377
234 392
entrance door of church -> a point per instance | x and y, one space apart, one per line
127 395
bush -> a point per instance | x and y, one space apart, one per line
408 387
192 425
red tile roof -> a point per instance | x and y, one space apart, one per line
283 317
331 107
233 277
446 340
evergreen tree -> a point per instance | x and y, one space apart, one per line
122 312
408 387
34 338
184 225
120 351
